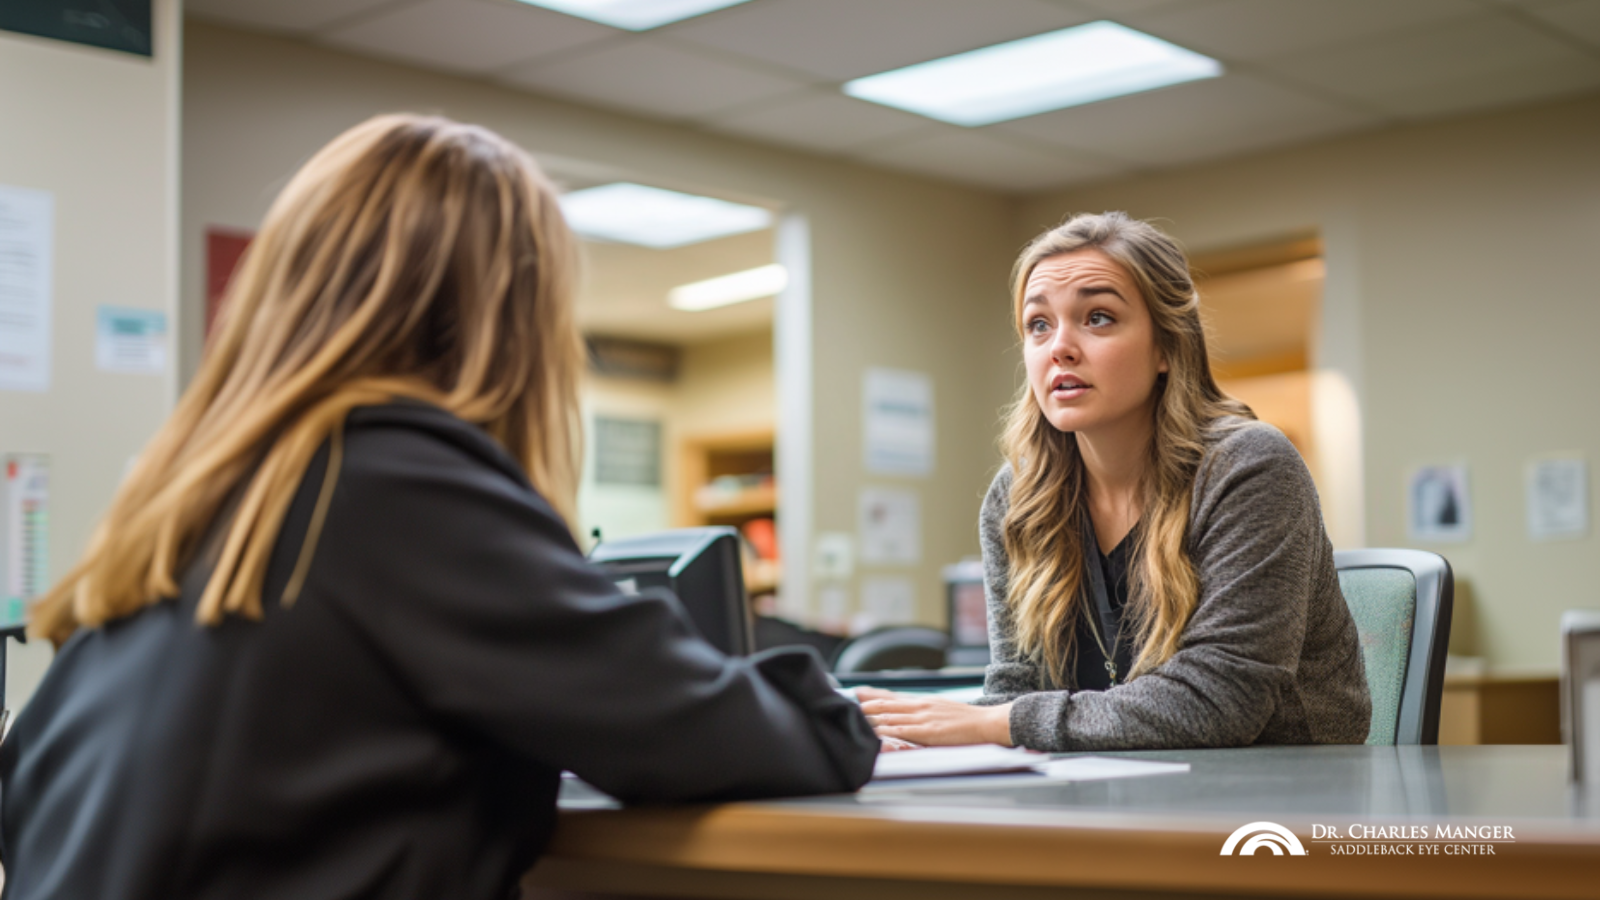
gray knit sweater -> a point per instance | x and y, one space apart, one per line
1271 654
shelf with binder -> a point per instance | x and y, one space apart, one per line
727 479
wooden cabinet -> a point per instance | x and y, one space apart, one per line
1489 709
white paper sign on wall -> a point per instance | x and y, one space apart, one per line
890 527
1558 498
886 601
26 248
130 340
897 422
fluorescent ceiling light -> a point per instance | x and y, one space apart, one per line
651 217
634 15
751 284
1049 71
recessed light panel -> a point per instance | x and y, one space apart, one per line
630 213
726 290
1049 71
634 15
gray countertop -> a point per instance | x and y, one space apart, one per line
1525 786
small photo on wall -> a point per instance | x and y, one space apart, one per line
1439 506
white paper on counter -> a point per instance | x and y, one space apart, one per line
1099 768
933 762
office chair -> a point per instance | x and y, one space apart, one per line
895 647
1401 602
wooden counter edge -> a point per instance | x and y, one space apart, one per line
754 839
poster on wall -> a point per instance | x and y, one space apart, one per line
897 422
225 249
26 249
627 452
1439 505
130 340
26 535
885 600
1558 498
890 527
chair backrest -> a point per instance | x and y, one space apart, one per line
1401 602
895 647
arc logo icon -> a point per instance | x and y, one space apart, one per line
1277 839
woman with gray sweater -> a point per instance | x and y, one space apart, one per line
1155 562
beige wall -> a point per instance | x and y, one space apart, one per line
907 273
98 130
727 386
1462 305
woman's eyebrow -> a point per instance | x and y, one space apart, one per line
1095 290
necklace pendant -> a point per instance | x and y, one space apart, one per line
1111 667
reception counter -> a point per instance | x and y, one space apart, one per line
1485 821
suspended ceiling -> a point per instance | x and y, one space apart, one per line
770 70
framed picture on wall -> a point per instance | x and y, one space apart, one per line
1439 506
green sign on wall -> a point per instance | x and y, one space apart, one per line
114 24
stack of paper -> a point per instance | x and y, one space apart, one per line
979 759
991 759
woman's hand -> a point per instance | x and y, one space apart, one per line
934 721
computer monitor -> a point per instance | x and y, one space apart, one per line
701 566
969 615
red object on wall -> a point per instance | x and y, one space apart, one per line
224 248
763 535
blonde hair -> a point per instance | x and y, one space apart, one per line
411 257
1049 487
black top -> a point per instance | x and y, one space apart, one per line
399 731
1089 662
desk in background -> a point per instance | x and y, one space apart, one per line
1479 708
1159 836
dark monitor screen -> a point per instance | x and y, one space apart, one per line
701 566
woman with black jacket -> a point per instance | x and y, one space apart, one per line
333 637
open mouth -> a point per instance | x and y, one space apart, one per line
1065 387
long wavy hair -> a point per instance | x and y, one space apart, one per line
411 257
1049 487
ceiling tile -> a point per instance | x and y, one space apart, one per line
826 122
1192 122
282 15
1252 29
1116 8
1488 90
468 35
647 77
1457 67
1579 18
988 161
1526 4
843 39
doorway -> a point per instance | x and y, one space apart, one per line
1263 311
680 394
